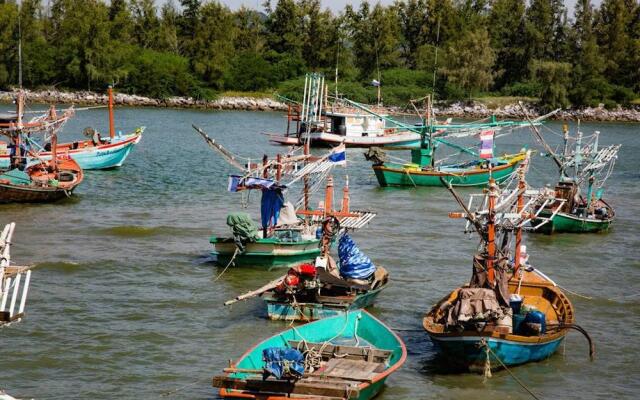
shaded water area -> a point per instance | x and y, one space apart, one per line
124 304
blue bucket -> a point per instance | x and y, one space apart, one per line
515 302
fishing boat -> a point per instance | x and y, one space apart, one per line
348 356
13 289
97 152
510 313
338 122
44 181
288 234
584 169
425 170
312 291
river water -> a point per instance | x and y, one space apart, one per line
123 302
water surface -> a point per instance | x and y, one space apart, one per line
123 301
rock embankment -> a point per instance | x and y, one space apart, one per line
121 99
476 110
472 110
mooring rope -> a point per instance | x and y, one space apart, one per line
233 258
489 350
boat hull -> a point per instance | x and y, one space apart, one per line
348 325
408 140
468 352
396 175
285 311
104 156
567 223
396 141
26 194
267 253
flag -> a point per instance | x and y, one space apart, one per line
375 83
486 144
339 155
234 182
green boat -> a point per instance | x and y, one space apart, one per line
425 170
472 173
348 356
583 169
284 248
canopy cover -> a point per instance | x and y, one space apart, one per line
354 264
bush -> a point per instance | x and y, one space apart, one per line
522 89
622 95
249 72
160 75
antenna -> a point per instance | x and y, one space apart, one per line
435 61
19 51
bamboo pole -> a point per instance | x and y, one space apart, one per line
112 129
491 233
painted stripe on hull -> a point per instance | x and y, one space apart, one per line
268 254
466 351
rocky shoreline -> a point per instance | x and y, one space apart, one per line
472 110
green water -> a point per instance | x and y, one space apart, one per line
123 302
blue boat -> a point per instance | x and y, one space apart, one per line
510 342
348 356
509 313
94 153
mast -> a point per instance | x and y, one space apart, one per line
112 129
538 135
491 233
19 51
520 207
54 140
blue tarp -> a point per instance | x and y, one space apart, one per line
270 205
353 263
283 362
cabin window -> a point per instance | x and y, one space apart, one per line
338 125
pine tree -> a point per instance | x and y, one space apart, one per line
506 24
469 62
588 83
613 25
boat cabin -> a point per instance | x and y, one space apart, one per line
355 124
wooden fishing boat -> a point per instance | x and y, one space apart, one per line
313 291
44 181
289 234
472 173
13 289
94 153
338 122
587 168
348 356
284 247
41 183
510 313
518 345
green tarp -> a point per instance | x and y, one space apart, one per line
243 227
16 177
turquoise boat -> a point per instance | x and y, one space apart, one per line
95 153
348 356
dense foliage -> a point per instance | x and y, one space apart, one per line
457 48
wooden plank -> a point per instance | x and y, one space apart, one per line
351 352
326 389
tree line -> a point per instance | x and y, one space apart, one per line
455 48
